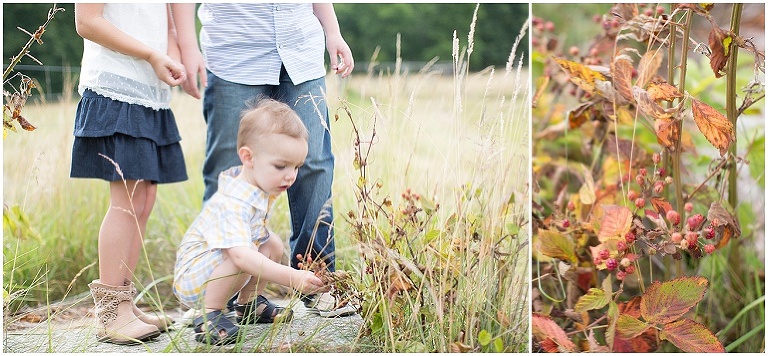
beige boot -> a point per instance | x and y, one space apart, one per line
162 322
114 312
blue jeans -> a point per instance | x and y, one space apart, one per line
309 198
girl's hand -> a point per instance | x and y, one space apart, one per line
307 283
168 70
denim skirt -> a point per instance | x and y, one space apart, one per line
117 141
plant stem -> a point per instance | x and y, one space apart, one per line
730 104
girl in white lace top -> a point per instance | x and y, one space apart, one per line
126 134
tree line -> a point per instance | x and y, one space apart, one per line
425 29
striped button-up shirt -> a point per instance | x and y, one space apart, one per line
248 43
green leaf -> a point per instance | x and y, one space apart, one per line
498 345
630 327
594 299
556 245
613 316
690 336
756 157
431 235
484 338
666 302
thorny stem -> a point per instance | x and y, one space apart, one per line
32 38
730 103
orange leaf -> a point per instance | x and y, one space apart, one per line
543 328
661 205
667 132
616 222
649 107
690 336
663 91
621 71
666 302
631 307
649 65
644 343
726 225
713 125
580 115
580 74
719 42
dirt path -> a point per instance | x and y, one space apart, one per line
307 332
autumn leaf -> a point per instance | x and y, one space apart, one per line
594 299
661 205
621 71
666 302
690 336
713 125
719 43
663 91
726 225
648 66
580 74
629 327
556 245
579 115
667 132
587 190
649 107
616 222
543 328
645 342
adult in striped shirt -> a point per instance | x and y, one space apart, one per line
276 51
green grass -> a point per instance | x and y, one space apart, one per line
472 159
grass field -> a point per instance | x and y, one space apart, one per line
459 141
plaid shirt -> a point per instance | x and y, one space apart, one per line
235 216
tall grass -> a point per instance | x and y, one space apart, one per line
460 142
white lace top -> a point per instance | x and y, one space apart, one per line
125 78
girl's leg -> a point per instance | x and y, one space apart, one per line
273 248
120 236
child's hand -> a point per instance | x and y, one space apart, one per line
168 70
307 283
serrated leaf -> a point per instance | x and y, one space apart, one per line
543 328
661 205
719 42
484 337
587 190
690 336
613 316
594 299
621 72
715 127
648 66
616 222
649 107
663 91
630 327
666 302
667 132
580 74
556 245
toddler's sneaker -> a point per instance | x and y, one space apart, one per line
327 306
189 316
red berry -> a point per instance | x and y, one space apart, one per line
566 223
656 158
676 237
630 237
630 269
597 260
621 246
604 254
658 187
659 10
620 275
632 195
673 217
662 172
648 12
709 248
643 172
688 207
639 202
710 233
694 222
692 236
611 264
571 206
574 51
640 179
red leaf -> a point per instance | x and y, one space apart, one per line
616 222
666 302
717 129
690 336
544 328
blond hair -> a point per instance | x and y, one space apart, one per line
265 116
